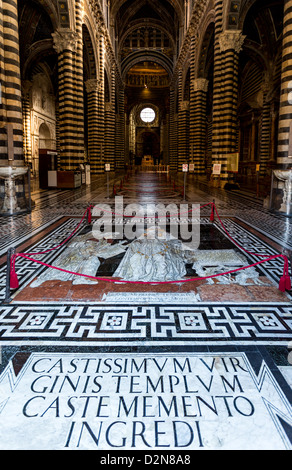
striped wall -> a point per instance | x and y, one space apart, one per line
11 125
252 82
285 114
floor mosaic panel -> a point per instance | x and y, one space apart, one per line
273 269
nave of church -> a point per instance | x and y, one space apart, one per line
145 222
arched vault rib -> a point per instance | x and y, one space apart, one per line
152 56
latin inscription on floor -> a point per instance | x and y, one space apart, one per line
141 401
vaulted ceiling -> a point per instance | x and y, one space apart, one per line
147 33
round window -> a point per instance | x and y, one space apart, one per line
147 115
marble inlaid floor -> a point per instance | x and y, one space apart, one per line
197 365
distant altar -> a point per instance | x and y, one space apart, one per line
147 160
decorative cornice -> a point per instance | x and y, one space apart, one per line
97 11
197 15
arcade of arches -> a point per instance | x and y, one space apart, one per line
121 340
214 72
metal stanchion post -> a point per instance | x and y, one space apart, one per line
288 253
271 191
185 175
87 216
8 299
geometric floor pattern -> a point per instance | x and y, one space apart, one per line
140 325
162 372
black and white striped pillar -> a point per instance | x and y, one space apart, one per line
172 131
183 133
11 127
26 108
92 119
120 129
109 131
230 43
109 135
183 124
71 123
265 132
217 88
284 157
199 124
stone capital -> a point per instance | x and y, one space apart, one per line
184 105
200 84
108 107
65 39
92 84
231 39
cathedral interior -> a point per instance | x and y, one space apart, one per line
145 221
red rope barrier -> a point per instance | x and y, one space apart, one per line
284 284
22 255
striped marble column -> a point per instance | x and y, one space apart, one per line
265 136
71 123
109 131
100 143
172 132
109 135
183 111
198 130
79 81
11 126
58 134
120 131
284 157
193 57
230 44
183 133
92 120
217 89
26 88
